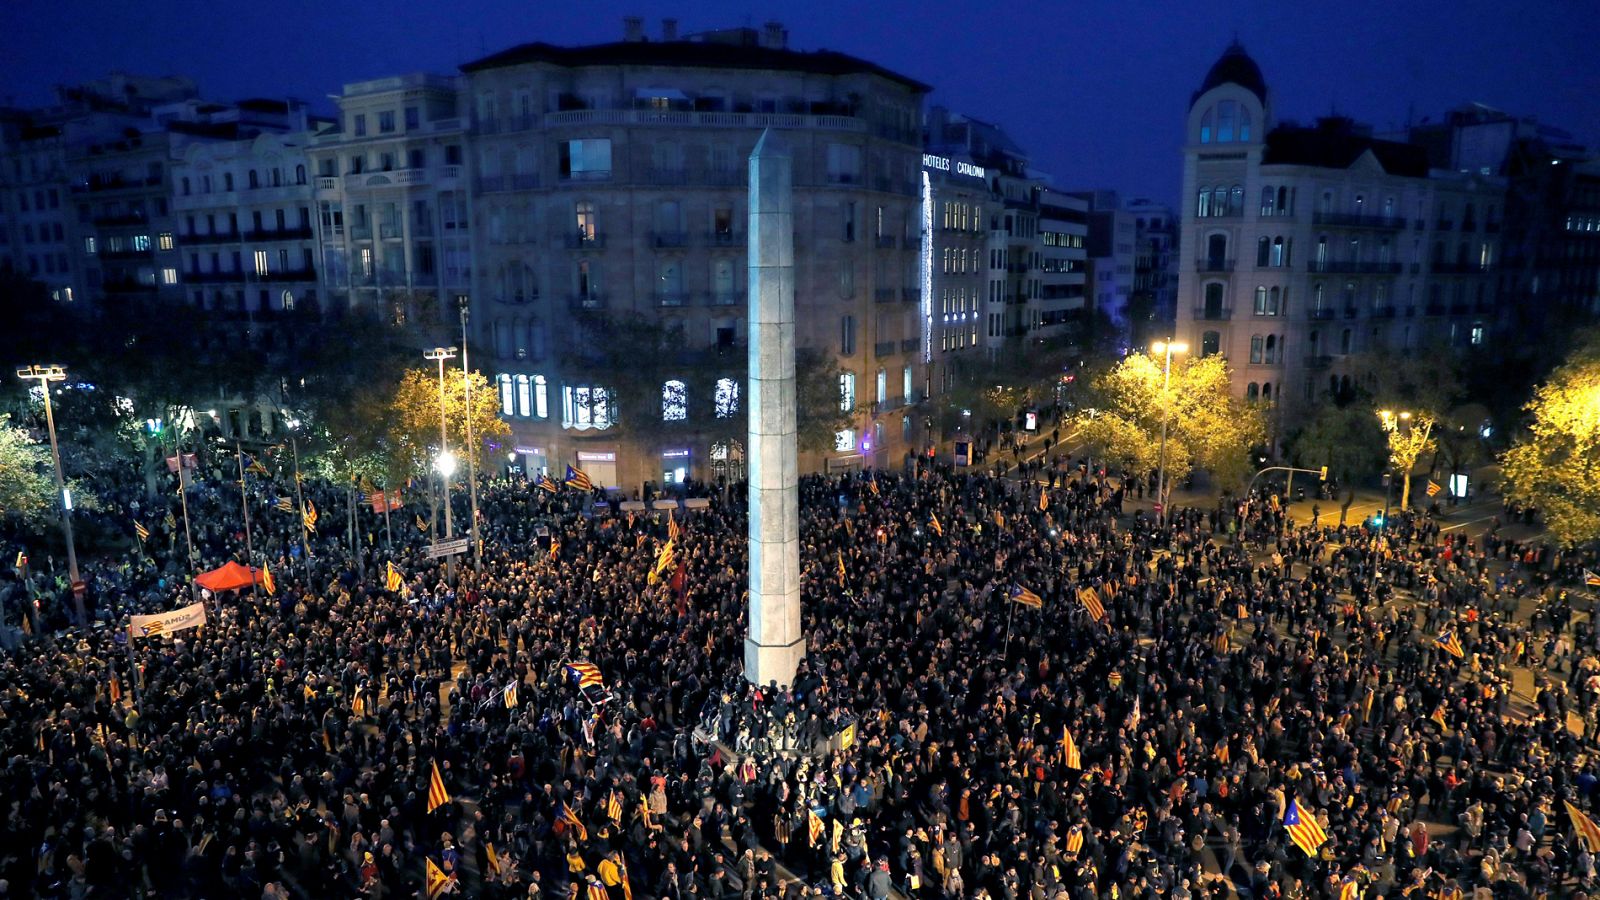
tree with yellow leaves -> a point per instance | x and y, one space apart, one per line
1208 428
1410 436
1557 466
413 426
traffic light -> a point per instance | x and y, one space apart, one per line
1377 520
1324 473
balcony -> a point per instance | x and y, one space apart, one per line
506 125
586 302
279 234
215 237
125 286
1214 265
124 254
908 345
1458 268
883 348
1320 315
1319 361
670 239
584 240
389 232
724 238
290 275
1491 227
883 295
1353 267
910 295
327 183
885 242
1383 312
1213 313
668 299
1357 220
1459 309
192 277
360 232
724 298
137 218
1350 312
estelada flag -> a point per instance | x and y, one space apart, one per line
614 806
1451 644
1090 599
1074 840
842 572
814 827
392 580
672 527
511 695
1026 597
579 479
142 532
284 504
1433 488
437 881
571 818
437 795
267 582
872 483
1304 830
1588 832
1438 718
548 485
1044 499
310 516
1069 750
586 673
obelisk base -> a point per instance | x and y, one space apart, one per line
766 663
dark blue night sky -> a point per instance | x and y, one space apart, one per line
1095 90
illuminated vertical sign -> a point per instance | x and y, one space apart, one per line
927 268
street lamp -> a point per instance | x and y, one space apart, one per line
472 450
44 375
1165 348
445 462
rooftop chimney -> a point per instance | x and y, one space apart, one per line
632 29
669 29
774 36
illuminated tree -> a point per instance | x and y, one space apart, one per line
1207 429
413 417
1410 436
1557 466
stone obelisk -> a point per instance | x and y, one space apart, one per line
774 646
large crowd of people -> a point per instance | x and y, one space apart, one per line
1231 672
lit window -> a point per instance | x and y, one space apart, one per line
727 398
844 441
585 407
503 382
674 401
169 276
847 392
524 405
541 397
1477 336
88 245
586 160
141 242
261 262
164 240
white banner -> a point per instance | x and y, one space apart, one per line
191 616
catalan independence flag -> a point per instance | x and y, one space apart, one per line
392 579
1090 598
571 818
1451 644
1074 840
510 695
814 827
579 479
267 582
1587 831
614 806
1026 597
548 484
284 504
1069 750
1590 579
586 673
934 526
437 881
254 466
1304 830
310 516
141 531
437 795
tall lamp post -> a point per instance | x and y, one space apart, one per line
44 375
1165 348
446 463
472 448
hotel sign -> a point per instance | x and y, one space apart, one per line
944 164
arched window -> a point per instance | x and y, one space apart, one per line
541 397
1361 204
1272 349
1210 343
1205 127
1219 200
1255 348
1273 308
1261 300
1244 122
1252 392
503 383
1322 251
524 397
727 398
1213 308
1283 202
1277 252
1202 204
1216 252
674 401
1236 200
1345 338
1266 201
300 174
1263 251
1266 392
255 181
1227 116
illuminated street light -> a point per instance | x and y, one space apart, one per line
1165 348
445 464
439 355
44 375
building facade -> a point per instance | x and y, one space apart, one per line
1303 246
610 184
1151 310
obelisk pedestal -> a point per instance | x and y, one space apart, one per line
774 646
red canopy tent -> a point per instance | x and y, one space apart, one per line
230 577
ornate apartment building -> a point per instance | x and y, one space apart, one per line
609 183
1301 246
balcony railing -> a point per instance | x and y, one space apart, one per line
1353 267
586 302
122 219
883 348
519 299
215 237
1350 312
883 295
1319 361
1321 315
290 275
671 298
193 277
1358 220
724 298
684 118
669 239
885 241
659 175
585 240
1434 309
1383 312
122 286
1453 268
279 234
908 345
910 295
1444 225
724 238
1214 265
1213 314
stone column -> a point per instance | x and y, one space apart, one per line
774 645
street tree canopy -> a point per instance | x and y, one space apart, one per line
414 418
1556 467
1209 429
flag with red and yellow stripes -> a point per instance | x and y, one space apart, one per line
437 795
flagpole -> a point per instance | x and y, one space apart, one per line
300 504
244 505
388 542
1005 654
183 492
